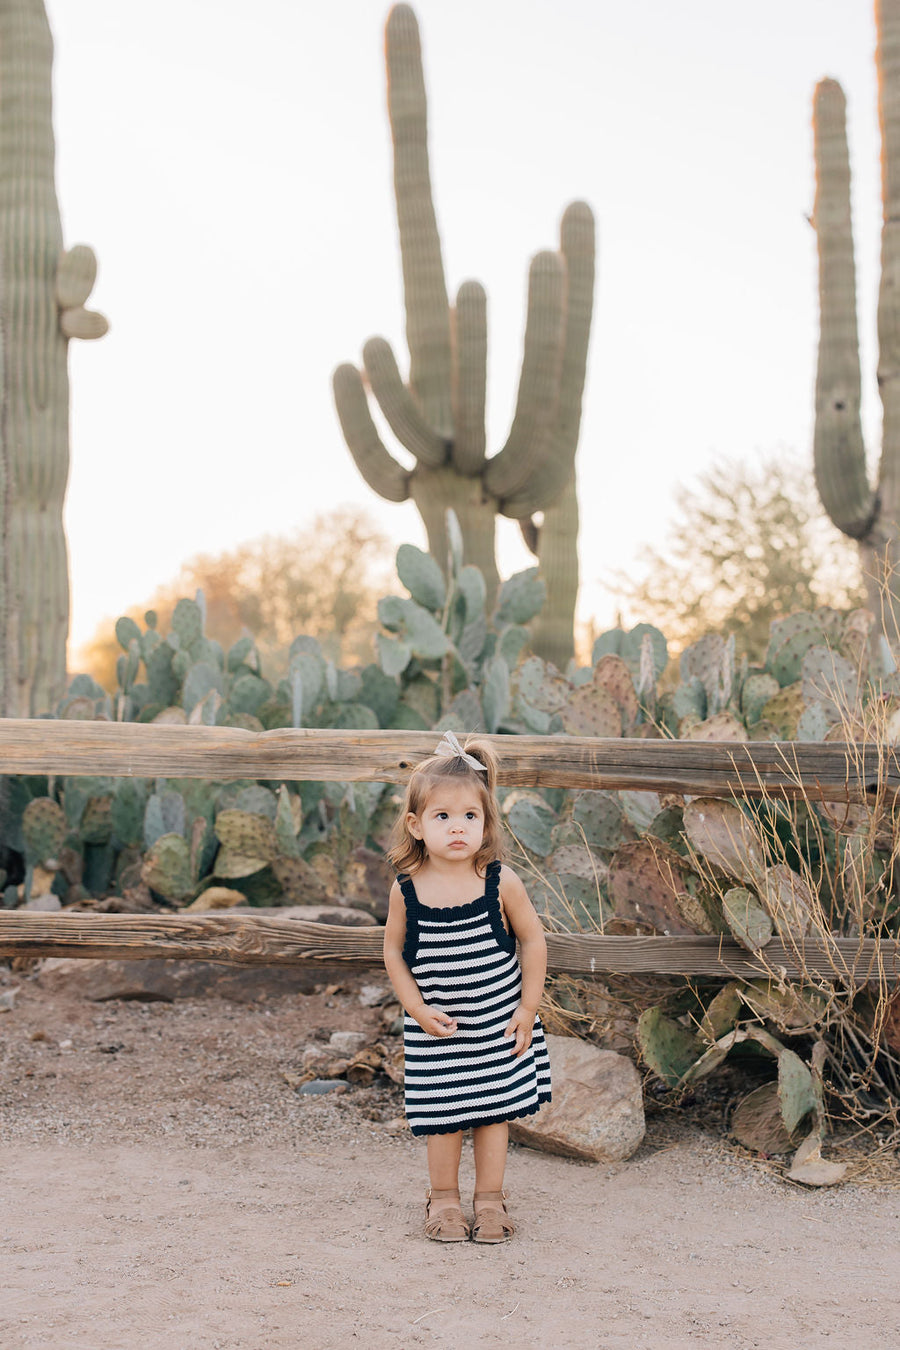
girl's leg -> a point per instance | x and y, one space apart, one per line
492 1222
490 1143
444 1152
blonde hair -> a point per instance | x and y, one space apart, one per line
405 852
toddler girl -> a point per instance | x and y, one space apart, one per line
475 1052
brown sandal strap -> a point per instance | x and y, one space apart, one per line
492 1224
449 1225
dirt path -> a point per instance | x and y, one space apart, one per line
163 1187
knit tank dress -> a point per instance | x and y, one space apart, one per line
465 964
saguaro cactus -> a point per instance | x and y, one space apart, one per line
42 293
439 415
869 515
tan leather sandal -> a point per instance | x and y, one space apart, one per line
492 1223
448 1225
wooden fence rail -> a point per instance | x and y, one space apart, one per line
248 940
831 772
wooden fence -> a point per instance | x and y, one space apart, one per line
833 772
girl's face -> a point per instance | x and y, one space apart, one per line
450 822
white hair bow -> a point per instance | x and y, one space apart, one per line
449 748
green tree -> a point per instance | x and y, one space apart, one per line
324 580
749 544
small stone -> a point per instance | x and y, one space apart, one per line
7 999
314 1055
43 904
371 995
347 1042
316 1087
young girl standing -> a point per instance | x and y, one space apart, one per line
475 1052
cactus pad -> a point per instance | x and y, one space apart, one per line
749 923
722 726
757 1121
167 868
44 830
725 838
647 885
421 576
531 820
250 835
612 674
601 816
667 1047
592 711
521 597
789 901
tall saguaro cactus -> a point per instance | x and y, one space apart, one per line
439 415
871 515
42 293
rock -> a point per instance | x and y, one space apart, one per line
218 897
314 1057
43 904
347 1042
164 980
317 1086
373 995
597 1112
7 999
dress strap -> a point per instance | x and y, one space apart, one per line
405 882
411 936
492 881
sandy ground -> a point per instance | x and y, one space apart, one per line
164 1187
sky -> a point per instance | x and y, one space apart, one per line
231 165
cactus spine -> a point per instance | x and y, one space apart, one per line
871 516
439 416
41 307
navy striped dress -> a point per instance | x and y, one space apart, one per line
464 962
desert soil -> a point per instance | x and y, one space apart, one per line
164 1186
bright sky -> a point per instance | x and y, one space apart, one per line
230 163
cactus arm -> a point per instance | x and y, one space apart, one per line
425 290
83 323
554 468
838 449
400 409
470 378
887 15
76 273
508 472
379 468
552 629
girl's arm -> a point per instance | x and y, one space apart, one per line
432 1020
529 931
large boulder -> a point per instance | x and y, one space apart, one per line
597 1112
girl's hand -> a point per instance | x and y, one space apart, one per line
433 1021
522 1027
